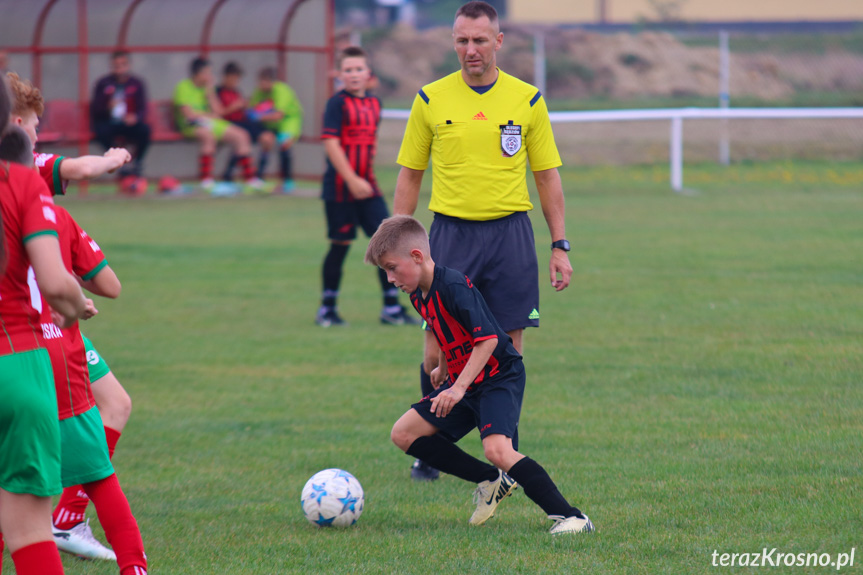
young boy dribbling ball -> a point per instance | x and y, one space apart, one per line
481 382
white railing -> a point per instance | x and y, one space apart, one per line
676 117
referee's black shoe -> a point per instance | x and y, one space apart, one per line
400 317
422 471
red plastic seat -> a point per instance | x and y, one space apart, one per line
60 121
160 115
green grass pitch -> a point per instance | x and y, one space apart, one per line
698 388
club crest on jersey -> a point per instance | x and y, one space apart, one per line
510 140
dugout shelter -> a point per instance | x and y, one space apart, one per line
64 46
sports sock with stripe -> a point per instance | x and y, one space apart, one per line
119 524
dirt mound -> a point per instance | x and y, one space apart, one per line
581 64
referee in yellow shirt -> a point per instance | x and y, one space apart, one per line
480 127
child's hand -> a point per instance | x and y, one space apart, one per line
360 188
89 310
437 376
120 156
446 400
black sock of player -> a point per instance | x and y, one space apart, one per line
539 487
263 158
229 169
333 271
425 382
449 458
285 163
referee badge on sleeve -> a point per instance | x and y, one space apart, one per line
510 140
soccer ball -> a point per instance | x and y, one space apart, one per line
332 498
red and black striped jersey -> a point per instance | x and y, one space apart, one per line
459 318
354 122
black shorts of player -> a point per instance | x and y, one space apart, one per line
493 408
499 257
253 127
344 217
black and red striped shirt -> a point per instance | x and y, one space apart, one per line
354 122
460 318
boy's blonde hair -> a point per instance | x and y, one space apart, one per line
397 235
25 96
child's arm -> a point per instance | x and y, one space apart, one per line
105 283
443 403
88 167
359 188
213 99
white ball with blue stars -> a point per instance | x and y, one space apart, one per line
332 498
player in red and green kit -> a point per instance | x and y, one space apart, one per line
29 435
27 107
85 463
71 535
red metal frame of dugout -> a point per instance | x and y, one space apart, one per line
83 49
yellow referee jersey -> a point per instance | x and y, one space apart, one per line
479 145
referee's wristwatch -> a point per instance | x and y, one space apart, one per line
560 245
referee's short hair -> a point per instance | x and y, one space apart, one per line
397 235
476 9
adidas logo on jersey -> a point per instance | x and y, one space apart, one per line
480 116
534 314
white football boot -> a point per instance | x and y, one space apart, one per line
488 495
570 524
79 541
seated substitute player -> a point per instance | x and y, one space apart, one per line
197 114
480 382
350 189
27 107
235 110
276 105
85 457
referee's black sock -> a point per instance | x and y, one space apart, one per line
539 487
449 458
425 382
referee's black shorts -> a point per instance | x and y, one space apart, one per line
499 257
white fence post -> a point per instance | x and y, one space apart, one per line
539 60
724 97
676 153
